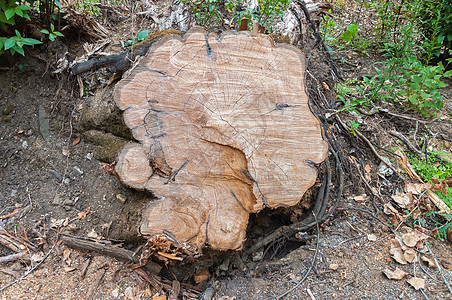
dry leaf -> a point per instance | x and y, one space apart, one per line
93 234
65 152
372 237
76 141
82 215
325 85
121 198
38 256
409 255
334 267
367 168
403 200
417 283
201 276
417 188
69 269
397 274
67 256
411 238
429 260
397 252
163 297
360 198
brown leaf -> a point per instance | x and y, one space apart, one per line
396 252
69 269
397 274
82 215
162 297
76 141
409 255
429 260
360 198
417 283
65 152
367 168
417 188
67 256
403 200
325 85
411 238
201 276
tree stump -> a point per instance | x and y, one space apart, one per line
223 128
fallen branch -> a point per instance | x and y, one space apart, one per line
13 257
121 62
112 251
439 269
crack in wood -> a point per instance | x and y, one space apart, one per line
173 174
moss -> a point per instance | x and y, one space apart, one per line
108 145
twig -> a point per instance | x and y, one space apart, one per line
35 267
406 141
312 263
439 268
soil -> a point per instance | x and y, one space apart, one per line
65 178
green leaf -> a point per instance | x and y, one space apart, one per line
19 50
58 3
448 73
23 7
45 31
58 33
52 37
9 43
9 13
19 12
52 28
142 35
30 41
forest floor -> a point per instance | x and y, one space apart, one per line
57 143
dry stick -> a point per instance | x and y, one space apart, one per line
439 268
13 257
312 263
35 267
406 141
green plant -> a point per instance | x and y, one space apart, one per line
350 34
9 10
16 43
204 11
52 33
354 126
142 35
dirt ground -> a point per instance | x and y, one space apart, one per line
59 178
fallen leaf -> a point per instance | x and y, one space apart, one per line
121 198
360 198
417 283
65 152
82 215
396 252
69 269
93 234
403 200
325 85
334 267
429 260
413 237
38 256
397 274
57 223
409 255
417 188
201 276
367 168
67 256
372 237
163 297
76 141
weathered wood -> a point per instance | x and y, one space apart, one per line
223 128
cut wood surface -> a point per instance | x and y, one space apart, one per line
223 128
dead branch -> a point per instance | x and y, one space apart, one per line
13 257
